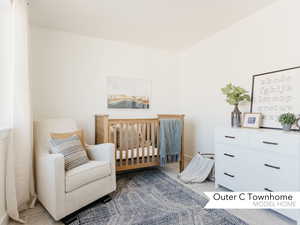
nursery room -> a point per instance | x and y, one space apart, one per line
161 112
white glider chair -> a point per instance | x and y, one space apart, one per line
63 192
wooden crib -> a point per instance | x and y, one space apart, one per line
136 140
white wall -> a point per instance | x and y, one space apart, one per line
68 76
265 41
6 97
5 66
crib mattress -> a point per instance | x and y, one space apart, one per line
133 153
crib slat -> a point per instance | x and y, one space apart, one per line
121 143
158 141
127 141
153 140
110 134
124 142
143 142
148 142
138 142
115 140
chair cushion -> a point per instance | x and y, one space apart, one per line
79 133
86 173
72 149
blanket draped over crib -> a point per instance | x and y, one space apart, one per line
170 140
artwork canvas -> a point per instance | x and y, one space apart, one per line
275 93
128 93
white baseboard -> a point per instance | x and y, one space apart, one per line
4 220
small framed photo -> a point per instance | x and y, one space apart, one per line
252 120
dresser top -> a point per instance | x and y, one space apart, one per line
261 131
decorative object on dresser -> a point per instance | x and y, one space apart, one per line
137 140
274 93
258 160
287 120
298 122
251 120
234 96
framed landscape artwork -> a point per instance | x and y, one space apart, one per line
128 93
274 93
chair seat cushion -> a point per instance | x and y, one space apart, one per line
86 173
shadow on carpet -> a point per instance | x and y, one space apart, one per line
150 197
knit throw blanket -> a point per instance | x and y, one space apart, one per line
170 140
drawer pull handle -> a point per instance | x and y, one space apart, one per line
231 137
229 175
274 167
229 155
269 190
269 143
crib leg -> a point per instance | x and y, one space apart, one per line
181 165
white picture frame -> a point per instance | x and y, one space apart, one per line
275 93
252 120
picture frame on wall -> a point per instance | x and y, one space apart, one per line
251 120
275 93
128 93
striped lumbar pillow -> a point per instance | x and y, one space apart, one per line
72 150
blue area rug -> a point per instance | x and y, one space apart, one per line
150 197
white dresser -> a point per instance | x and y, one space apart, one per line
258 160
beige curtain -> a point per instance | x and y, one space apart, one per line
19 180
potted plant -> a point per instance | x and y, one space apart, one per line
287 120
234 96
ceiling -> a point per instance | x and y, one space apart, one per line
166 24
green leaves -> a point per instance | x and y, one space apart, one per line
287 118
235 94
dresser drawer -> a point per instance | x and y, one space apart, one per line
229 170
227 150
229 156
278 173
231 136
228 179
281 144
